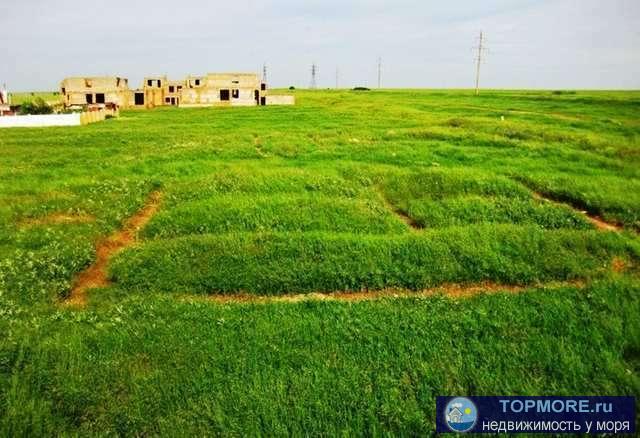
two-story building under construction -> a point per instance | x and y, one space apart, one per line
213 89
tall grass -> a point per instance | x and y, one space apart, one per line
268 263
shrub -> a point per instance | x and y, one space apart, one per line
292 88
360 89
38 106
457 122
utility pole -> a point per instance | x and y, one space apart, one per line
264 73
314 73
379 72
479 61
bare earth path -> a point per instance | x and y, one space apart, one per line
404 217
595 220
96 274
450 290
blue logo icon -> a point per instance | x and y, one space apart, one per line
460 414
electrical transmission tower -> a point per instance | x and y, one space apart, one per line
481 48
379 72
314 73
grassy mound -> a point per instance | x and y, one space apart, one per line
306 262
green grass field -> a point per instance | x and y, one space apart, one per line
51 97
346 191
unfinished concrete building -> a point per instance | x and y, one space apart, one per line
213 89
5 108
78 92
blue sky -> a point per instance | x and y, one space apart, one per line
423 43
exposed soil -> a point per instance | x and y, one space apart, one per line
449 290
404 217
619 265
96 274
599 223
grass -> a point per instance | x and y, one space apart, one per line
280 263
346 191
51 97
282 212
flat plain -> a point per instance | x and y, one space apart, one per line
324 268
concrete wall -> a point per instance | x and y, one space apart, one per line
155 88
281 100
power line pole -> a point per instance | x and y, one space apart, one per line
264 73
479 61
314 73
379 72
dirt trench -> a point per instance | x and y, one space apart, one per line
597 221
404 217
96 274
452 290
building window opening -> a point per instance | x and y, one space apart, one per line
167 100
100 98
197 82
171 89
224 94
235 93
263 101
89 98
139 98
263 86
159 83
149 83
173 101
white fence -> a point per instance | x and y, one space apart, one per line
42 120
35 121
